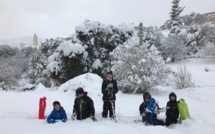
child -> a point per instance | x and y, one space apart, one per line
143 105
109 90
153 110
83 106
172 112
58 113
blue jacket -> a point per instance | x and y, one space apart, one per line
150 107
57 115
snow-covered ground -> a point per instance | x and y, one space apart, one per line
18 112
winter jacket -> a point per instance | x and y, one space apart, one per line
142 108
173 112
150 107
83 107
109 92
57 115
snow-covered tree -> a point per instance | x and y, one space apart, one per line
37 66
194 19
194 39
99 40
49 46
175 17
9 73
154 37
174 48
27 51
138 68
66 62
7 51
12 67
209 32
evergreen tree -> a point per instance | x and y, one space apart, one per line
99 40
176 20
194 39
37 66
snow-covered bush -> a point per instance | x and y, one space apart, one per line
182 78
138 68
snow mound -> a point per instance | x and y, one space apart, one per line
89 81
40 88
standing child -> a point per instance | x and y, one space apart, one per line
109 89
58 113
172 112
83 106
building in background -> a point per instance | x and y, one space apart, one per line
22 46
35 41
210 16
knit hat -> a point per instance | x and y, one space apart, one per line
109 72
56 103
79 91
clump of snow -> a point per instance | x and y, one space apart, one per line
168 59
68 48
97 64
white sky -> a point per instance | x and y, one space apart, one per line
58 18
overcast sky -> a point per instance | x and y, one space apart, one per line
58 18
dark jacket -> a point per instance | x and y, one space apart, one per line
173 112
109 93
142 107
57 115
83 107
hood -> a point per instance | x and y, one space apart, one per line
146 94
172 94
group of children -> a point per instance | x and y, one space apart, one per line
84 108
149 110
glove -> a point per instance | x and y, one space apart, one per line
63 120
94 119
162 109
143 114
110 85
52 121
